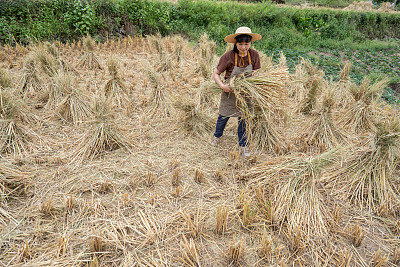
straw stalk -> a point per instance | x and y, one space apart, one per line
190 253
222 215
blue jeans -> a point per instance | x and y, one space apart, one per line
221 123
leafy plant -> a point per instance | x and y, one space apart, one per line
81 17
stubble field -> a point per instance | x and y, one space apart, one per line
106 161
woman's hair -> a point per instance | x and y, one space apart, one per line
243 38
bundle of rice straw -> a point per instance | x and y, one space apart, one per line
263 135
266 62
53 50
31 83
60 87
5 79
89 59
366 177
208 58
208 93
296 87
267 92
164 62
321 132
159 98
360 117
194 121
177 46
13 138
342 93
101 136
45 60
115 88
75 107
313 82
12 180
295 182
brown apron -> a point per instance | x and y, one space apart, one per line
227 106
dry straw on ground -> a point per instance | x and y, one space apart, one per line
82 194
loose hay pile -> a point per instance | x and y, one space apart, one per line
121 185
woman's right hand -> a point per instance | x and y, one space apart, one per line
226 88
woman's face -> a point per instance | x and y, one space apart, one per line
243 47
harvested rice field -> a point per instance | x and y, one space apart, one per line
106 161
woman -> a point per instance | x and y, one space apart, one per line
241 59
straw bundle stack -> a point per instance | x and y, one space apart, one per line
13 138
89 59
207 61
313 83
297 200
322 132
266 92
115 87
361 116
159 96
5 79
101 136
75 107
342 89
31 81
12 180
194 120
367 177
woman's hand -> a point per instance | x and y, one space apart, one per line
226 88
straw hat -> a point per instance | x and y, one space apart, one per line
242 30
